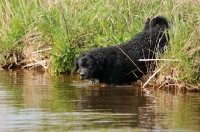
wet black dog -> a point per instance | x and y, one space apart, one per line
120 64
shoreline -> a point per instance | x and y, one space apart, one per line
154 81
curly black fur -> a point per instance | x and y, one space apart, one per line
119 64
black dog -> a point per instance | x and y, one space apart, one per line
120 64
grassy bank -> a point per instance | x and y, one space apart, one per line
52 33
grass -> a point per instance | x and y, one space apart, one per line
70 27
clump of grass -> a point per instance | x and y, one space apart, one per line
70 27
184 40
17 20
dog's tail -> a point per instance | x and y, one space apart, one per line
156 21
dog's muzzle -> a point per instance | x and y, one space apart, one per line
82 75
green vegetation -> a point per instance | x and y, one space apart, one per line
30 28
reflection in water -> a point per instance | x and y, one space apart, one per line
35 101
122 103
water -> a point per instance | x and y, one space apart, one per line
34 101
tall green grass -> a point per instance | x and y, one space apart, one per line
184 41
74 26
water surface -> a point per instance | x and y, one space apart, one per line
35 101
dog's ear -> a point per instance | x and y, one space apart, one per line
100 61
76 62
100 64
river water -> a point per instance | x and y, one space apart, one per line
35 101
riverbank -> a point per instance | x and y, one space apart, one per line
50 34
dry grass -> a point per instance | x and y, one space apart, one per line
36 51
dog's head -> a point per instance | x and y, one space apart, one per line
89 65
